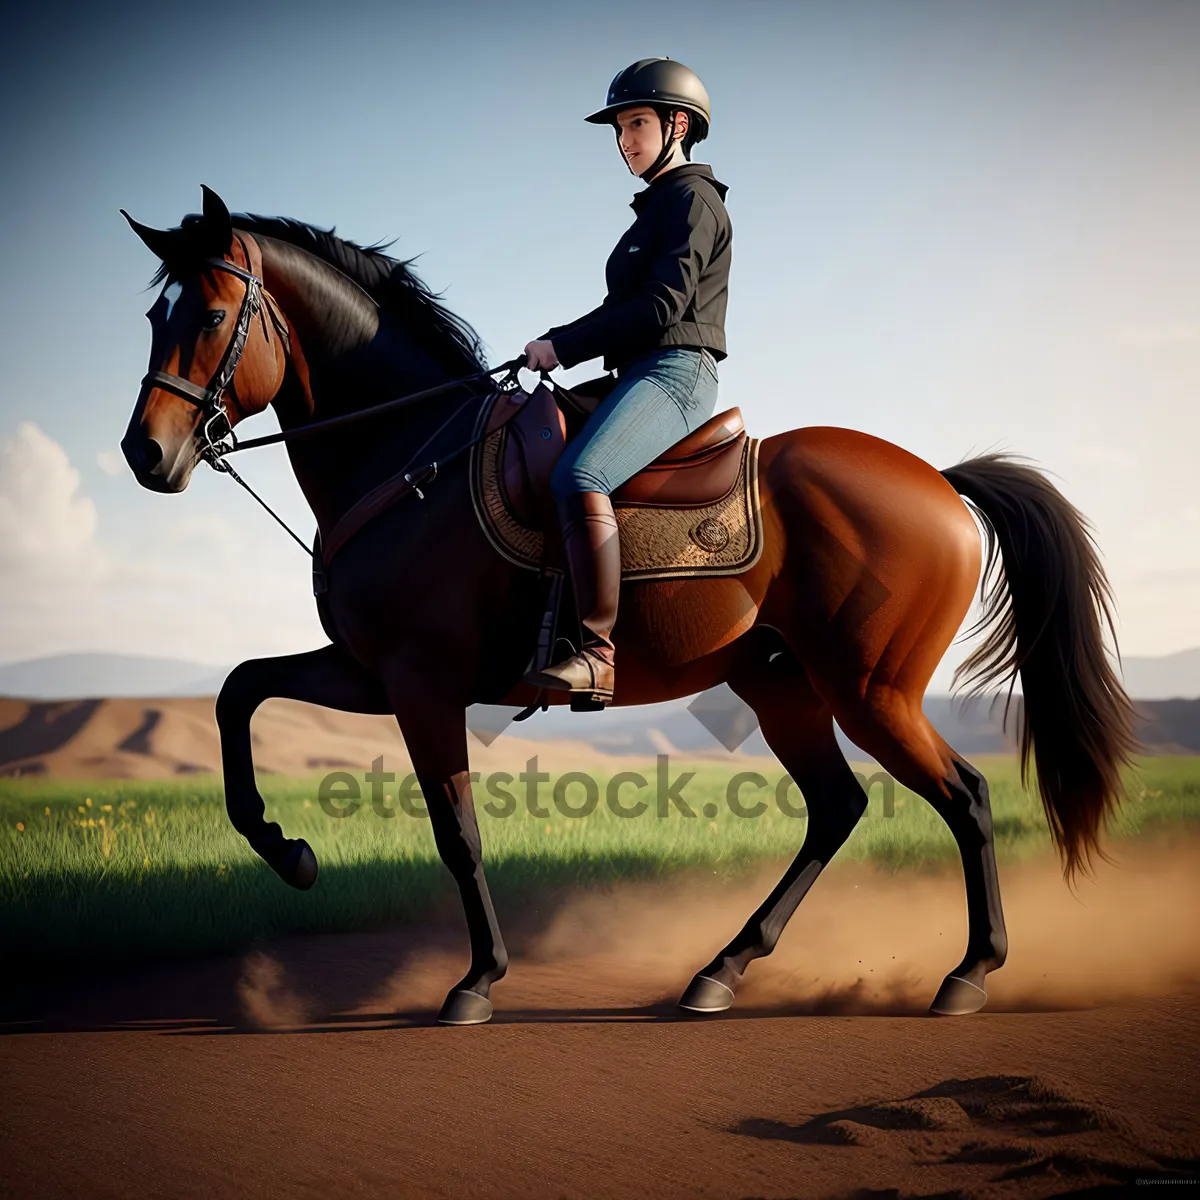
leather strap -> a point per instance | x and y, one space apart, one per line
376 501
208 399
183 388
380 498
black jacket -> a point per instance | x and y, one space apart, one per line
668 276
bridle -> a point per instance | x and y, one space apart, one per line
216 429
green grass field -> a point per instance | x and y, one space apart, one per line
120 872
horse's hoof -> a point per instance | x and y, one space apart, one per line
298 865
704 995
464 1007
957 997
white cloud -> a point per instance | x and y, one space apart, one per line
190 584
45 523
110 462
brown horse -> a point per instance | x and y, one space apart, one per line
870 563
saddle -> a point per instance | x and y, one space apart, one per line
694 511
696 472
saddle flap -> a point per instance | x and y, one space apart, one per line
584 398
533 441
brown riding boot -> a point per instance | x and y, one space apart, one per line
593 551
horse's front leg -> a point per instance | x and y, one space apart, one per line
329 677
433 720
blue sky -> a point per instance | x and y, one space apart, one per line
958 226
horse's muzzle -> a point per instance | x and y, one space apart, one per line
154 469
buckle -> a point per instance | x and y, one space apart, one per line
219 438
425 474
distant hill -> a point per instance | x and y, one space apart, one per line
175 737
118 715
723 721
148 738
96 675
1169 677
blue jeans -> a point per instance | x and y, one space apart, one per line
658 400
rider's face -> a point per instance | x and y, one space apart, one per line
641 135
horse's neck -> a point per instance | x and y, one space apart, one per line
355 359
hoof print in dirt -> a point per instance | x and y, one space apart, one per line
1007 1127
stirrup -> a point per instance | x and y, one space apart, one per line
546 640
586 698
590 701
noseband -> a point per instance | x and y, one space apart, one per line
208 399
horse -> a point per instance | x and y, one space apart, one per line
870 562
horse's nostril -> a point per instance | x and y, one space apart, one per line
153 454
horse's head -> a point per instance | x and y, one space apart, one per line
217 354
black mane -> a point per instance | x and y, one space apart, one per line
390 282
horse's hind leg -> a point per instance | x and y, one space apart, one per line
891 727
329 677
798 726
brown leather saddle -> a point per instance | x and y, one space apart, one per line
698 470
710 474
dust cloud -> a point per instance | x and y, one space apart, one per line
862 942
267 999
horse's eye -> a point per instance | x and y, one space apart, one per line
213 318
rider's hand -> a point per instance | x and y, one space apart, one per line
541 356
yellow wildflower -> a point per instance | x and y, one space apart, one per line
88 801
20 827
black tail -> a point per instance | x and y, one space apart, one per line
1045 596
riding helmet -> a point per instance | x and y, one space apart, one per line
661 82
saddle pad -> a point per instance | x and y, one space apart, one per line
722 538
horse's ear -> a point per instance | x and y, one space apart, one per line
218 225
165 243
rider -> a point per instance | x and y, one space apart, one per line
661 328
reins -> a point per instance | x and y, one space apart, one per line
215 451
362 414
220 439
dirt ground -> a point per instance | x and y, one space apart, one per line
313 1067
